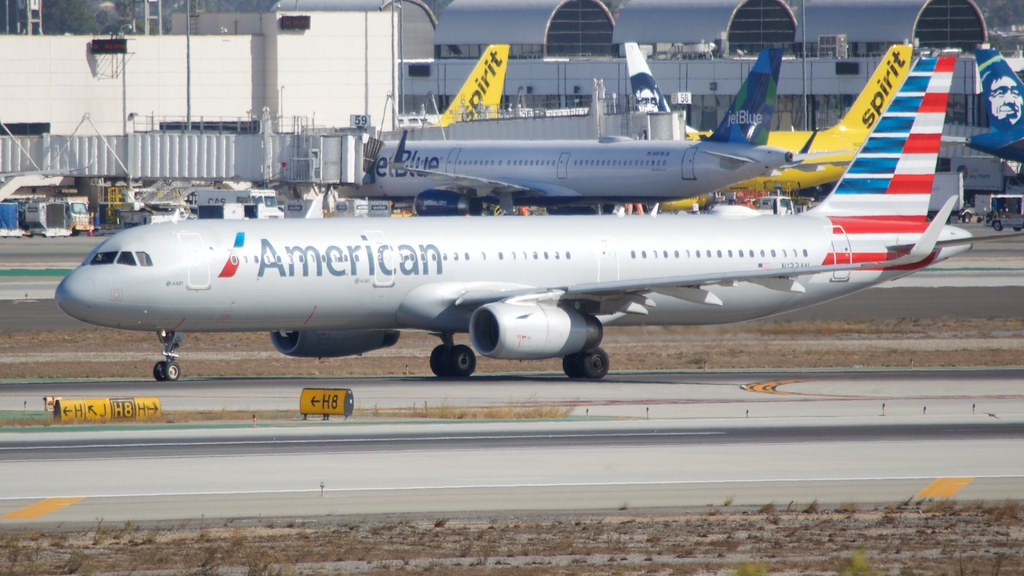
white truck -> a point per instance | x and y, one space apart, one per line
249 204
984 175
948 185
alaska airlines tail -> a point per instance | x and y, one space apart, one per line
750 116
483 88
645 90
1004 97
890 179
879 90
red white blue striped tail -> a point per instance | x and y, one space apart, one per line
890 178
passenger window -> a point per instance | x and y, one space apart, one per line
144 259
104 258
126 258
773 253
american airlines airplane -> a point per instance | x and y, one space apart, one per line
532 287
448 178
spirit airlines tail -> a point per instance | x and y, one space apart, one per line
483 89
445 177
527 288
1003 94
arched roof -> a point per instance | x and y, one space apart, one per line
748 24
935 23
670 21
512 21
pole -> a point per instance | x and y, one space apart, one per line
188 65
803 57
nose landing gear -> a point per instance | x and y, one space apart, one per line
168 370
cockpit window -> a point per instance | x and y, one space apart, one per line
126 258
103 258
144 259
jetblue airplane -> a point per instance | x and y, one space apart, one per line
534 287
1004 97
447 178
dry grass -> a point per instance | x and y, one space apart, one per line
975 539
105 353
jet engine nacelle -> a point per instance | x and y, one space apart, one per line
321 344
445 203
530 331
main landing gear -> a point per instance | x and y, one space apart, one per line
452 360
168 370
589 365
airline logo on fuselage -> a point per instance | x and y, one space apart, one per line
411 159
886 84
363 260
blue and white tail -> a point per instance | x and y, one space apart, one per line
749 118
890 178
645 89
1003 98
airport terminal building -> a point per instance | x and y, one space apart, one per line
331 66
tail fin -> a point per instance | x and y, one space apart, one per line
750 116
483 88
645 90
879 90
891 176
1003 91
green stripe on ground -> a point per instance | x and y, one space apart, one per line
34 272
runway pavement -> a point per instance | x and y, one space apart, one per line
639 441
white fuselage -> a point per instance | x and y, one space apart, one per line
358 273
566 170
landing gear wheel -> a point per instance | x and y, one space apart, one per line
172 372
460 361
159 371
592 365
166 371
439 361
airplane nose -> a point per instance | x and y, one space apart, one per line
75 295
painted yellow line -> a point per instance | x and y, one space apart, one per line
770 387
944 487
41 508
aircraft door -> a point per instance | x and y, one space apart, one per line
453 160
563 165
198 256
385 260
607 260
842 253
689 156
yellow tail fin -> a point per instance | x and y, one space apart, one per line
482 89
880 89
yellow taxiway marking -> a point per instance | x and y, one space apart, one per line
944 487
41 508
771 387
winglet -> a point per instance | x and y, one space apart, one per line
750 116
929 239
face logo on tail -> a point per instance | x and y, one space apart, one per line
231 266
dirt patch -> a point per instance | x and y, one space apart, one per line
101 353
922 538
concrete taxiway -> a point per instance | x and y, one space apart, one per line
644 440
